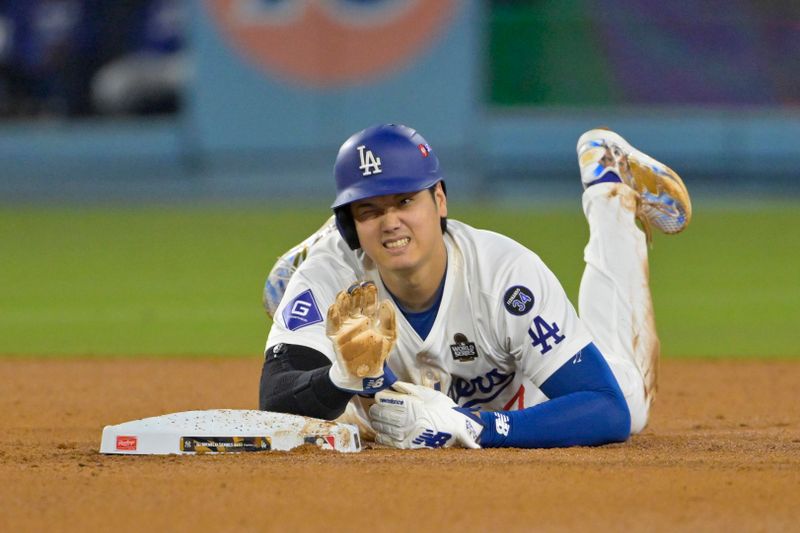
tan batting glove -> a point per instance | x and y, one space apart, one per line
363 334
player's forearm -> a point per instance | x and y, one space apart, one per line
586 418
295 380
586 408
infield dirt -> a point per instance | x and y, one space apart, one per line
721 453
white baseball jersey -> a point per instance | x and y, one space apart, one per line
503 327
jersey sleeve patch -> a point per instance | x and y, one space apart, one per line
302 311
518 300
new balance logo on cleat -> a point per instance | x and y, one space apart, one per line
429 439
369 163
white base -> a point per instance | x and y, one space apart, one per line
224 431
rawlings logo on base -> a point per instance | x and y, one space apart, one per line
126 443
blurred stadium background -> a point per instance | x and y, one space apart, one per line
157 155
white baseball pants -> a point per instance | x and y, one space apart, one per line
614 300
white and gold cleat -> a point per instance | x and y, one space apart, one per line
287 264
664 202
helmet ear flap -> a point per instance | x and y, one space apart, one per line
347 226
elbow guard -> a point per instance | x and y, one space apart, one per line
294 379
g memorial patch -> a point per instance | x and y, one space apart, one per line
518 300
301 311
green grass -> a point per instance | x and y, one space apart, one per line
187 281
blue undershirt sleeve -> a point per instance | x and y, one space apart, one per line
586 408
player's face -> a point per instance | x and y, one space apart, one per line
402 232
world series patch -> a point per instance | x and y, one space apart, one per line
518 300
463 350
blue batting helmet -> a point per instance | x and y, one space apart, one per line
385 159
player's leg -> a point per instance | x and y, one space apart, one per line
614 299
287 264
622 184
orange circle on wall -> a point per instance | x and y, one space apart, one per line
331 42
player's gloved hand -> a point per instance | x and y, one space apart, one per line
363 334
412 416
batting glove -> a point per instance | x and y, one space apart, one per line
411 416
363 333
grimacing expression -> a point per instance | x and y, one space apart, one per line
401 231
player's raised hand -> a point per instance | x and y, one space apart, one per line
363 333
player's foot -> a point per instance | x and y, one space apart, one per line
663 199
287 264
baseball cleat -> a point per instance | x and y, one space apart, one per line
664 201
287 265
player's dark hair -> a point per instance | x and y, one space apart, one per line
347 225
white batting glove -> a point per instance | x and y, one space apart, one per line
363 333
412 416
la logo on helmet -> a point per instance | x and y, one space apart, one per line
369 163
327 43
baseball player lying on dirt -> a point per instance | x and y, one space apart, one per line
427 332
